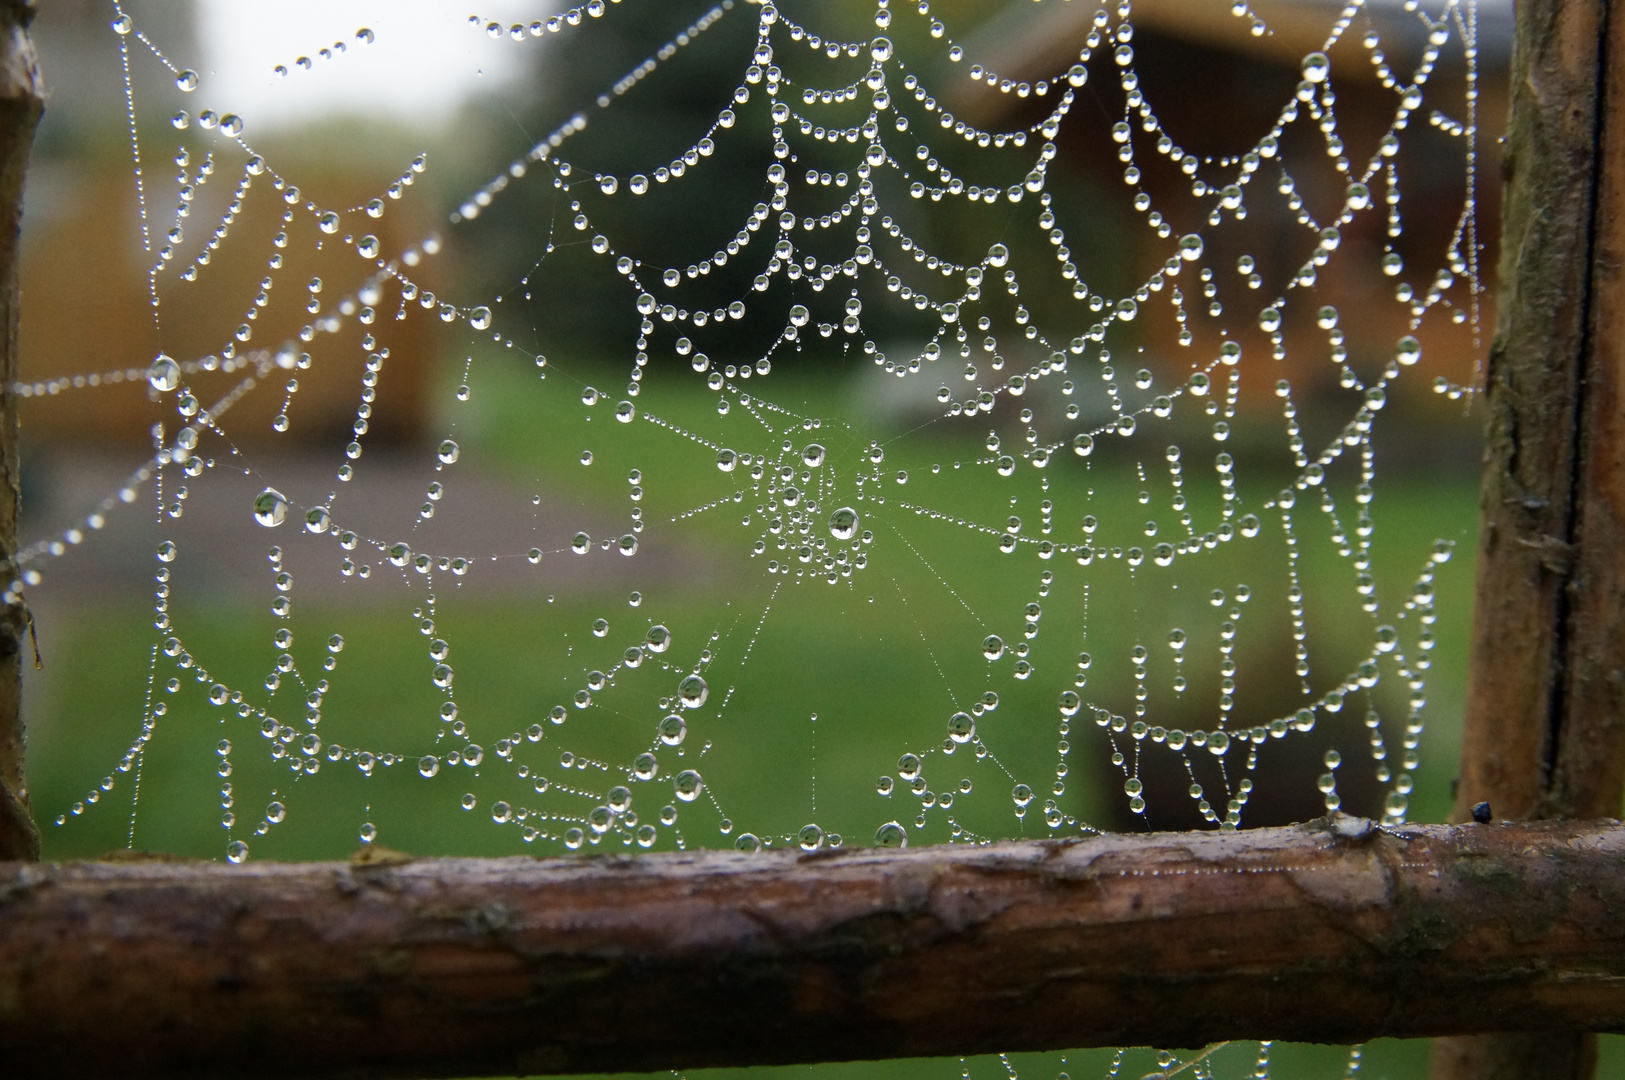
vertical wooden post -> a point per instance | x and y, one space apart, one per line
1545 726
21 101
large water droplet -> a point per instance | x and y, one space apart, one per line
318 520
692 692
164 374
480 318
687 784
843 523
1316 67
270 508
186 81
891 835
448 452
1409 350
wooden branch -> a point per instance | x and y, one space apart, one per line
20 106
387 967
1545 730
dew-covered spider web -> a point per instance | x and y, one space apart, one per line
759 425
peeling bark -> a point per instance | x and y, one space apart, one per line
1335 931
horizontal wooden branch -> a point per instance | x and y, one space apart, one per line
1332 931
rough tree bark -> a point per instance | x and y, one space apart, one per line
21 100
1334 931
1545 733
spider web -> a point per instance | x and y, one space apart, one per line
996 458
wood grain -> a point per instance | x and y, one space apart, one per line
1335 931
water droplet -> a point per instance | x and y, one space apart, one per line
1083 445
628 544
318 520
328 222
812 455
810 838
270 508
843 523
428 765
891 835
237 851
167 551
502 813
998 255
673 730
448 452
687 785
164 374
625 411
275 813
692 692
961 728
1190 247
1316 67
186 81
480 318
993 646
1269 320
1409 350
880 49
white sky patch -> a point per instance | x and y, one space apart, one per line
425 61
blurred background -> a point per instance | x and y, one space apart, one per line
424 119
